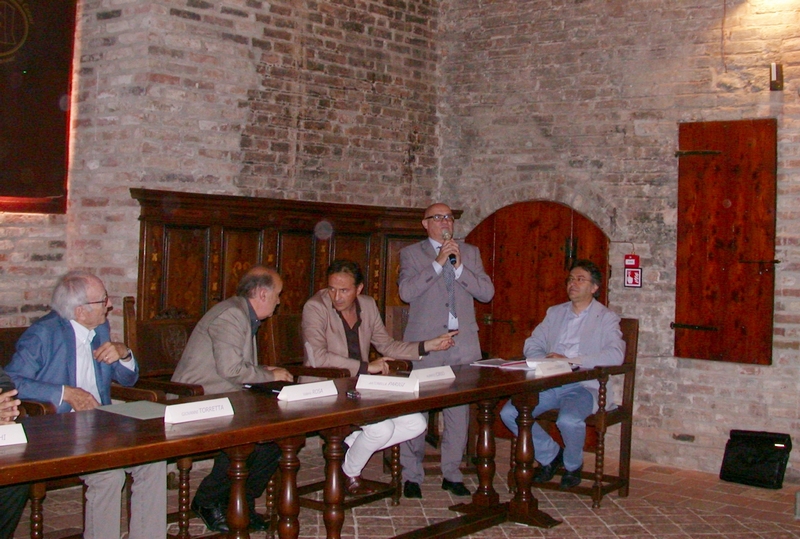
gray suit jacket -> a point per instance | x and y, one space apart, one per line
324 332
425 292
221 354
600 343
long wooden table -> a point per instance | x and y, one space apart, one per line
68 444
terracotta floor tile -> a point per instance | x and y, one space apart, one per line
664 503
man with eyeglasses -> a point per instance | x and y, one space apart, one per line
586 332
67 358
440 278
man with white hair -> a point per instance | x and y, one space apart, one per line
67 358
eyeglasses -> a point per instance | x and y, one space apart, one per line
439 218
579 280
101 302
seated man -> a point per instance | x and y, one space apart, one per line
339 324
581 328
221 355
67 358
12 497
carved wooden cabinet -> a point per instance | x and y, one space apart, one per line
195 247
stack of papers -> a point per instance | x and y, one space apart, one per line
542 366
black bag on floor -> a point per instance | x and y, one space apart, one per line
756 458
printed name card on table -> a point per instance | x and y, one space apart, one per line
433 374
550 368
388 383
314 390
195 411
12 435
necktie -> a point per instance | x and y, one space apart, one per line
450 283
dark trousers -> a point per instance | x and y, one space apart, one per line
215 489
12 502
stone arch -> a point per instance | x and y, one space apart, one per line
581 196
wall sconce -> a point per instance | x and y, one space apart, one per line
776 77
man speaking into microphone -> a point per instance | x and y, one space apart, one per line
439 279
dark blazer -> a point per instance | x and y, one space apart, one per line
45 361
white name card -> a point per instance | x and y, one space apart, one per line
432 374
314 390
388 383
12 435
552 368
195 411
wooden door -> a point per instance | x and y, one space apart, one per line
527 249
726 240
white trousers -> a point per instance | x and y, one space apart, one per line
377 436
148 502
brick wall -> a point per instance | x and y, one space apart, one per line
579 102
480 104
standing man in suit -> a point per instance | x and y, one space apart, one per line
67 358
440 278
339 325
12 497
586 332
221 355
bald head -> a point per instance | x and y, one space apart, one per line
438 218
262 286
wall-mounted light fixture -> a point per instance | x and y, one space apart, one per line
775 77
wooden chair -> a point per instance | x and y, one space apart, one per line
598 423
158 345
8 339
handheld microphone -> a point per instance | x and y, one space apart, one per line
446 236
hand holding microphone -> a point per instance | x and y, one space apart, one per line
446 236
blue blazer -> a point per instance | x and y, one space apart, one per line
45 361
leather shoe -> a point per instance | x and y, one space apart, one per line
355 486
412 490
546 472
457 488
571 479
213 516
258 523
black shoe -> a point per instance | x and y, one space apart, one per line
213 516
457 488
571 479
258 523
546 472
412 490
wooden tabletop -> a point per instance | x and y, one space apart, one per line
82 442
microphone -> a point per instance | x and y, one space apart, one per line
446 236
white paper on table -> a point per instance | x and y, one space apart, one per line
314 390
12 434
433 374
195 411
387 383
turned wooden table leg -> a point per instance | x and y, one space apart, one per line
288 500
524 508
333 493
238 513
37 493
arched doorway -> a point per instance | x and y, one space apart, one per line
527 249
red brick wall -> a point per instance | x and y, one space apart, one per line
478 104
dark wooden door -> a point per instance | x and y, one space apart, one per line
527 249
726 240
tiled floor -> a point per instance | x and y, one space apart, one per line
663 503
